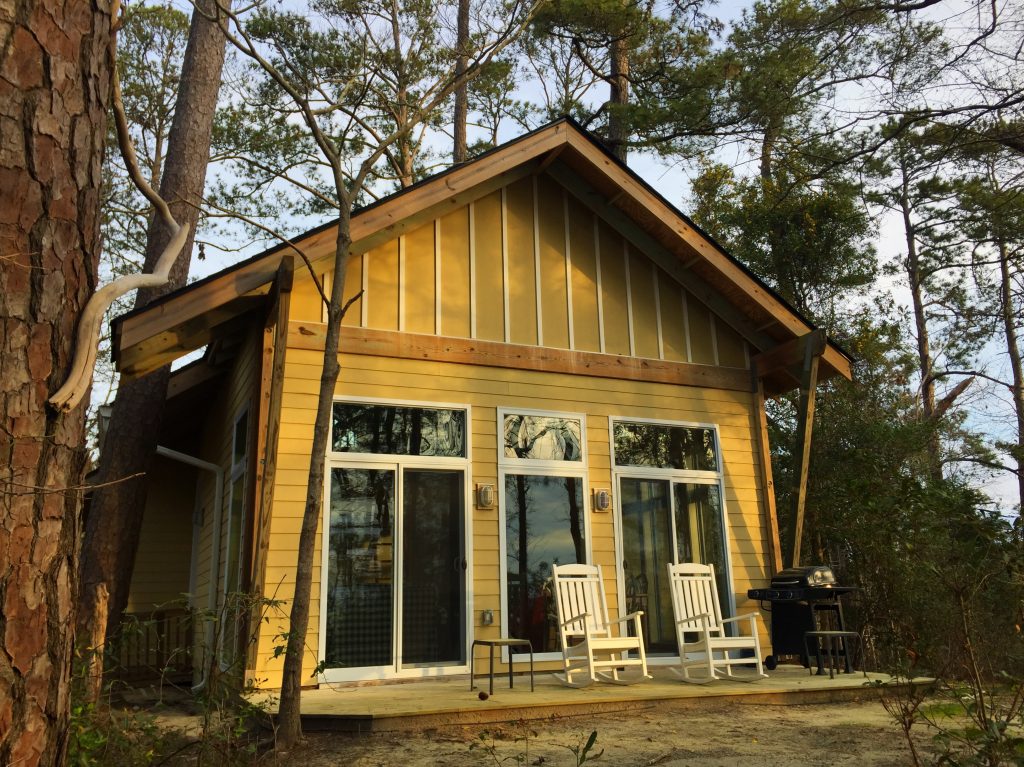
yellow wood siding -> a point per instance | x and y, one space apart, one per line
551 244
484 389
645 308
673 323
614 296
382 290
702 346
419 280
531 265
455 319
160 576
490 280
586 331
353 284
522 263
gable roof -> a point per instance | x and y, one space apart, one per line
169 327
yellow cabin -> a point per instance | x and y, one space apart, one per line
544 362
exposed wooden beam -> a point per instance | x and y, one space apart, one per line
670 262
388 343
790 353
764 456
275 345
804 430
167 347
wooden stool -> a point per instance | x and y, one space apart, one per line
834 643
492 643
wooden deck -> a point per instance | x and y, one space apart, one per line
443 702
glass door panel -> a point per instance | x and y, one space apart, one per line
433 567
646 549
700 532
543 526
360 570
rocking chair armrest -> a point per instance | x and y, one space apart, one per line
752 617
631 617
575 618
703 618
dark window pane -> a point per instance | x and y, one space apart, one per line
543 526
665 447
700 532
543 438
391 430
433 578
360 568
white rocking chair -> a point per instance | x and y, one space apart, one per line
588 643
698 612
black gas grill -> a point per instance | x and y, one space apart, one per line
800 599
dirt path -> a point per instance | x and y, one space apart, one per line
716 735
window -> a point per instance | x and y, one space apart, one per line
394 571
393 430
232 584
670 509
542 479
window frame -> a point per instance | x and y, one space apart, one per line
672 476
535 467
397 463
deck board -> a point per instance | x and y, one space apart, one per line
449 701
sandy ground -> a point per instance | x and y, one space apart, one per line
713 735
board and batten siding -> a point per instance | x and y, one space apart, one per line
529 264
485 389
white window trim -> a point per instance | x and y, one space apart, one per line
685 476
397 463
239 469
510 465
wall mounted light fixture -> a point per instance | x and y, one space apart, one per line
484 496
601 499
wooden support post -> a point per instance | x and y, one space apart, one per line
767 480
804 429
271 385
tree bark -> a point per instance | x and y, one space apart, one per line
114 520
1009 319
289 724
54 95
924 354
618 130
461 149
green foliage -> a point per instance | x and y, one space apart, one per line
104 735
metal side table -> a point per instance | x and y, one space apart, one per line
492 643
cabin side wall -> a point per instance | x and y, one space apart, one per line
484 389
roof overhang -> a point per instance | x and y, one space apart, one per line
148 338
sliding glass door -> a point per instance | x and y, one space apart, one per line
670 510
394 592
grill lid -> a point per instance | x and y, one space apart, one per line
811 575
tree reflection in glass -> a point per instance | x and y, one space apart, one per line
543 526
391 430
360 568
665 447
542 438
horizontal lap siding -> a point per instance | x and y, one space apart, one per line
485 389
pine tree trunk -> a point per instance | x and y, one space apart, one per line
618 130
55 92
924 354
289 726
115 515
1009 319
461 149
